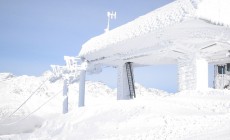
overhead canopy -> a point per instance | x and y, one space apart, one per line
181 29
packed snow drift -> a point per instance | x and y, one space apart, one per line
154 114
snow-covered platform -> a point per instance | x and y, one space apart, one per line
189 33
162 36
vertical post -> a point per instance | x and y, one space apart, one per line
81 101
107 28
222 69
111 15
193 74
201 74
65 96
215 74
123 92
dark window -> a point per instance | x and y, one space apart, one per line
221 69
228 66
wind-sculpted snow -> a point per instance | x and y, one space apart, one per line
15 90
154 114
186 115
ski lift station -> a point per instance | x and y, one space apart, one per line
189 33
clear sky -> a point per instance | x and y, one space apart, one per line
37 33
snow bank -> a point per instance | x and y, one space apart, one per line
214 11
15 90
186 115
154 114
140 90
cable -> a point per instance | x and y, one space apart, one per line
34 110
28 98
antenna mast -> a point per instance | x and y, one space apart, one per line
110 15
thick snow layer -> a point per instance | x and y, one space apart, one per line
213 11
154 114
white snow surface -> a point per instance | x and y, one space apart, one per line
154 114
213 11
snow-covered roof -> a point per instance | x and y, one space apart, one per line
149 27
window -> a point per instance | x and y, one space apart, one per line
228 67
221 69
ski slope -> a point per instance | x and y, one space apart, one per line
154 114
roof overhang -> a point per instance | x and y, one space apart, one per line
140 42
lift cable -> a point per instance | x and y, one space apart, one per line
27 98
47 101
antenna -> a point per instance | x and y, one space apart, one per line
110 15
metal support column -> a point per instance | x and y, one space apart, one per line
125 82
81 102
65 96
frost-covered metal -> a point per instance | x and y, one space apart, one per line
81 101
65 96
71 72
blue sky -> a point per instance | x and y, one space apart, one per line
35 34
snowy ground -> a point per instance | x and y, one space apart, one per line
152 115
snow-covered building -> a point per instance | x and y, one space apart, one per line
189 33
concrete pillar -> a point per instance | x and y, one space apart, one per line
193 74
122 83
81 101
65 96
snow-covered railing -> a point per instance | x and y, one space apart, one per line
72 63
70 71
